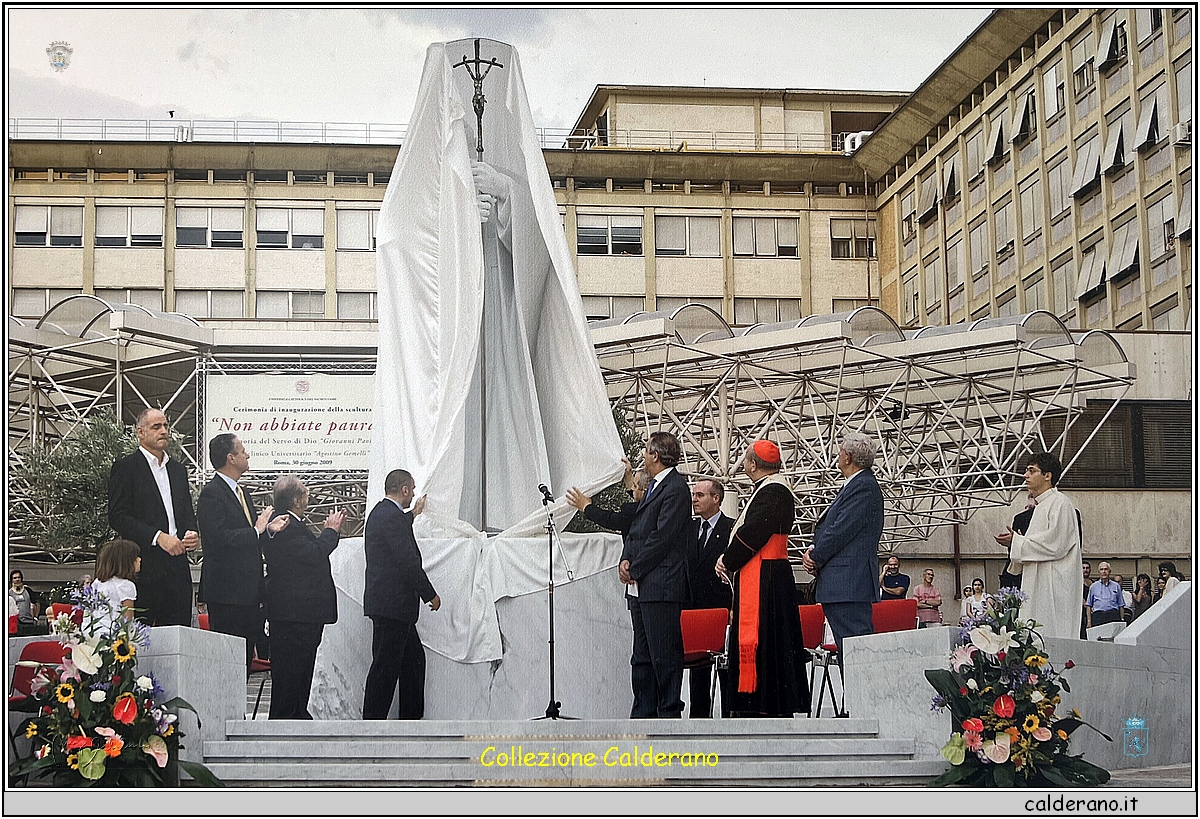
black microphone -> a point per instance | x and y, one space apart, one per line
546 496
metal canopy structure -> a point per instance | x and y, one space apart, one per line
954 409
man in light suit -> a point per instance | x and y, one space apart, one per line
708 538
395 585
149 502
232 573
845 551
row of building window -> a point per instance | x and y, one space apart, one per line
304 229
197 175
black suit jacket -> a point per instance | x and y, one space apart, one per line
299 579
705 589
656 546
396 581
136 512
232 571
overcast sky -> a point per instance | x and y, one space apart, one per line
363 65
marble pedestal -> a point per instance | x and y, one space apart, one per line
593 643
1144 673
205 668
885 681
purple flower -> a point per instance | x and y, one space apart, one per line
938 703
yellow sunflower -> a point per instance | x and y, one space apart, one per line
1035 661
123 650
65 692
31 730
1031 724
170 730
73 761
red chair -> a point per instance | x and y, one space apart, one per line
60 608
263 667
33 656
894 615
705 635
12 624
202 620
812 624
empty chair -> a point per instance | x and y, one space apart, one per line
894 615
704 640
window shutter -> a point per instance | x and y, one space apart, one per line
308 222
145 221
670 234
705 235
66 221
227 219
743 236
272 219
354 230
192 217
30 219
112 221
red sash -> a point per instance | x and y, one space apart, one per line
748 610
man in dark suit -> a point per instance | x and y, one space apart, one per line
395 585
845 551
707 539
654 568
301 597
232 573
149 502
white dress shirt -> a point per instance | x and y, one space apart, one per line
159 471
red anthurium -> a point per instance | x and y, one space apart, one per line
75 742
125 709
973 724
1004 706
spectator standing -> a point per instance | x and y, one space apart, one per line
929 602
974 604
1143 595
1105 600
892 584
1169 577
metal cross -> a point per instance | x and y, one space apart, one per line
478 101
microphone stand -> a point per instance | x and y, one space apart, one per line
552 710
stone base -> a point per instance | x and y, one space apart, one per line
593 643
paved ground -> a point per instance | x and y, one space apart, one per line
1166 776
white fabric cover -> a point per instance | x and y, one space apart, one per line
548 416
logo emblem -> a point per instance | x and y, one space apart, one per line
59 53
302 387
1137 737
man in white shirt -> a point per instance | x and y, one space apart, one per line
1048 555
150 503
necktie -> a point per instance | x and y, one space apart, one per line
703 534
245 508
649 489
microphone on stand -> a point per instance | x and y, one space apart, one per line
547 497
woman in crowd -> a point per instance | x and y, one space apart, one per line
975 604
300 596
1143 595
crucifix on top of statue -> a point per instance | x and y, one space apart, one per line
478 69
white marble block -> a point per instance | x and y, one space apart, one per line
593 643
885 681
206 668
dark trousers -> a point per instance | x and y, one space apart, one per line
293 656
700 687
165 597
240 621
1099 618
657 660
397 657
848 620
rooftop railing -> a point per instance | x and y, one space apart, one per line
180 130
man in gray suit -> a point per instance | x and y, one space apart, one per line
845 551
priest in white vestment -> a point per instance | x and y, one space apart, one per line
1049 555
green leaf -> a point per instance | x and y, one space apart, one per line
950 777
1003 774
178 703
203 776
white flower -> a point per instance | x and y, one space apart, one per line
145 683
98 695
86 658
1036 696
972 685
990 642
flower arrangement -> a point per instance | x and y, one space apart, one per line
97 720
1003 695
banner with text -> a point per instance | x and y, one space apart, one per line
294 422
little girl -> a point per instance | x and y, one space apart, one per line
116 565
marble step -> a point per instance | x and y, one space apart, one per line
846 772
420 751
498 729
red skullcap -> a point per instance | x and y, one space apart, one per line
766 450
